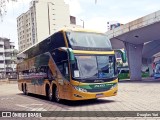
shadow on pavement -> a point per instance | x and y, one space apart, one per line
86 102
68 102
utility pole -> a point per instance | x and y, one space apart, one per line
83 22
49 25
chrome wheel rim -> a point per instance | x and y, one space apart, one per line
56 95
50 95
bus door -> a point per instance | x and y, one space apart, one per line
67 86
61 60
61 80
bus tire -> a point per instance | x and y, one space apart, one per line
25 91
56 94
50 96
22 87
48 93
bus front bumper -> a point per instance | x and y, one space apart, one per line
78 95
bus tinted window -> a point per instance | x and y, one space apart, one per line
91 40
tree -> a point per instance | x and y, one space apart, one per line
3 4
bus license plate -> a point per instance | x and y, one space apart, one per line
99 95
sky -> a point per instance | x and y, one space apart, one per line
95 15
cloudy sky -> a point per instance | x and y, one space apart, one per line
95 16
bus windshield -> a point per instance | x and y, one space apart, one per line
157 69
93 67
88 40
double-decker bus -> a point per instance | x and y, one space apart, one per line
70 64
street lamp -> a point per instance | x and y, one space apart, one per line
83 22
49 17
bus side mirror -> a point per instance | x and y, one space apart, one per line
124 58
71 56
123 55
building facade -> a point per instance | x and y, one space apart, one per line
7 58
43 18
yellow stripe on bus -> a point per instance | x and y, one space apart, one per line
93 52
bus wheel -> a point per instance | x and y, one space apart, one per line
56 95
50 97
25 92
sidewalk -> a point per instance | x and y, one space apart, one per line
8 81
148 79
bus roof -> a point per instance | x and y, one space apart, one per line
81 30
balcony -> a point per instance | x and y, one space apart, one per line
12 43
8 58
2 65
11 66
2 57
1 43
1 49
9 50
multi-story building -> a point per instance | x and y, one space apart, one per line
7 58
43 18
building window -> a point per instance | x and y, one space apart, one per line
1 61
1 46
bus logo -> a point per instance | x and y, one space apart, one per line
100 85
6 114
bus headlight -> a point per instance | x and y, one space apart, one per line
80 89
115 85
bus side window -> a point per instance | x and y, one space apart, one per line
60 66
63 68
